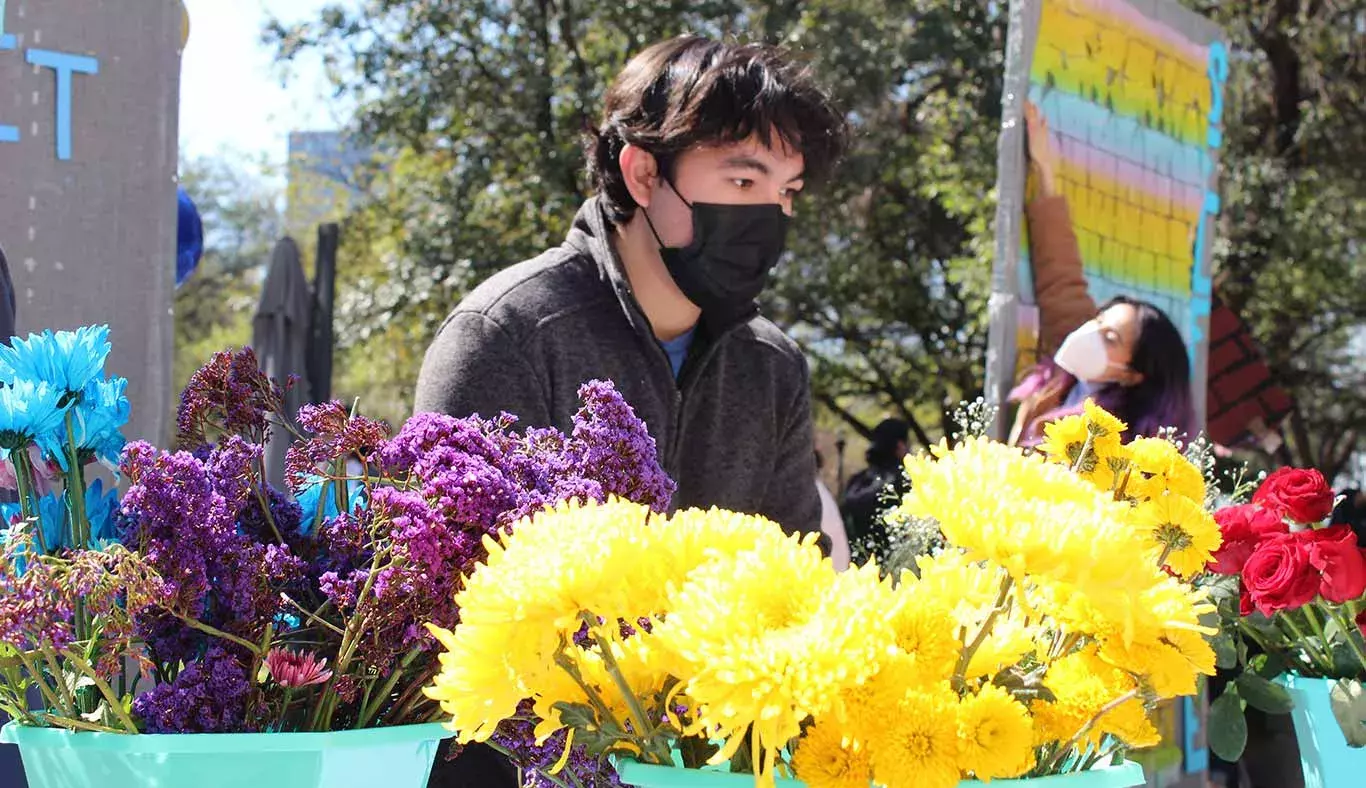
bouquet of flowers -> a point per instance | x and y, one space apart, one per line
1292 594
1060 608
207 601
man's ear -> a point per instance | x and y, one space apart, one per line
640 170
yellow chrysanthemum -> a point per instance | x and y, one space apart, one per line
1064 439
926 630
996 735
1008 641
825 759
1083 685
1089 443
1180 529
918 747
971 586
764 639
551 570
1162 667
864 708
478 686
1106 428
1167 645
1159 467
1031 517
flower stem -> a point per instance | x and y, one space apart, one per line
1325 663
47 693
1349 634
24 479
372 708
1085 729
638 716
965 659
218 633
114 704
58 675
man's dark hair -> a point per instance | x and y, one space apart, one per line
693 90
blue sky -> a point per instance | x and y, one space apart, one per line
232 101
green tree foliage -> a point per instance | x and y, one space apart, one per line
242 221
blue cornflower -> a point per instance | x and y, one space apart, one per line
308 499
100 508
28 412
67 360
53 519
99 414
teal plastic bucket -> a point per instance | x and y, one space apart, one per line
641 775
1326 759
397 757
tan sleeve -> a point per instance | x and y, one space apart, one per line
1059 281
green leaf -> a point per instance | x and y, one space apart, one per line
1264 695
1225 650
1227 726
1348 700
1268 666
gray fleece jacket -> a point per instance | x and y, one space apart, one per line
734 430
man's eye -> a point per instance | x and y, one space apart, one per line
791 194
743 183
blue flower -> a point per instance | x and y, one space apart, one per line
53 519
28 412
100 507
100 413
308 499
67 360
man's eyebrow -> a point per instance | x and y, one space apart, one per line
745 162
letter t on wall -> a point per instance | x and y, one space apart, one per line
64 64
7 42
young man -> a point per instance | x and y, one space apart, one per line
701 154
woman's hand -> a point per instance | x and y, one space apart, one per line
1043 158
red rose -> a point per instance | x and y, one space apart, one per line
1243 528
1361 622
1334 553
1300 494
1278 575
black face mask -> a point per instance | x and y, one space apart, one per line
733 250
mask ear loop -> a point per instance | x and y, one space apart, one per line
668 182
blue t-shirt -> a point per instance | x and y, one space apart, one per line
677 350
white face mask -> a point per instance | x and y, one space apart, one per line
1083 354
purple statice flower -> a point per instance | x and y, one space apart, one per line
336 435
232 470
285 512
612 447
184 516
345 542
472 492
429 440
209 696
35 608
247 584
535 760
176 519
228 393
343 589
168 640
427 558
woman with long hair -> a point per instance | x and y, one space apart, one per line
1126 355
